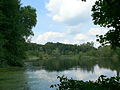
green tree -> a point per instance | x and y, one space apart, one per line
16 23
106 14
56 52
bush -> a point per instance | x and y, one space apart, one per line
102 83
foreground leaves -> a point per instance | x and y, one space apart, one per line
102 83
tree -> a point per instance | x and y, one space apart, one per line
56 52
16 24
27 20
106 14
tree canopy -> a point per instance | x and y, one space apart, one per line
60 48
16 24
106 14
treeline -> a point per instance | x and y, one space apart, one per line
56 49
82 51
64 56
16 24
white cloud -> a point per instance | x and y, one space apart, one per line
70 41
73 29
97 31
71 12
60 37
71 37
81 37
49 36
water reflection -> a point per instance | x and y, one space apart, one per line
43 73
63 64
42 79
85 64
39 75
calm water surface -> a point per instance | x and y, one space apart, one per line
40 77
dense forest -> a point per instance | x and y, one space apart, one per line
16 24
57 49
83 51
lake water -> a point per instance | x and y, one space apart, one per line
40 77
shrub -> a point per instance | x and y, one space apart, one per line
102 83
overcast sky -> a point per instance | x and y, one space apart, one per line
65 21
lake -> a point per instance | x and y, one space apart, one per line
39 75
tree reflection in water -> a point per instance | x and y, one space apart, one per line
85 64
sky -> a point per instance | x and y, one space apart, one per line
64 21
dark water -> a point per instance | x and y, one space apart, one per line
39 75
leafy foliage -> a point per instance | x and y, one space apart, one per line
106 14
102 83
16 23
56 49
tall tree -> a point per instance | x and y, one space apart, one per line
15 27
106 14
